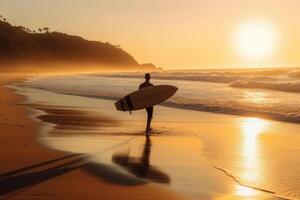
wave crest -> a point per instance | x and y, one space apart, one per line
287 87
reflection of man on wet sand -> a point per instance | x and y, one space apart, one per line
149 109
140 166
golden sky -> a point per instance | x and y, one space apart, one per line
174 33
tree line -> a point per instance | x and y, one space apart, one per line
39 30
44 30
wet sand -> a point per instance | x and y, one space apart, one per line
111 149
29 170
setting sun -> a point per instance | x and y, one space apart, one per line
255 39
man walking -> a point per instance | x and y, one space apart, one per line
149 109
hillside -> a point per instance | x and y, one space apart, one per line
18 44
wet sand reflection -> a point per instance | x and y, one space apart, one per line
140 166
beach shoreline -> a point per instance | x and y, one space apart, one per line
30 170
65 123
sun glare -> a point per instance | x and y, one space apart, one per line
255 39
251 129
245 191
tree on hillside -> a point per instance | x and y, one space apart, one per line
40 30
22 28
2 18
46 29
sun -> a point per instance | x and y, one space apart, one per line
255 39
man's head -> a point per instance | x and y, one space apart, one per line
147 77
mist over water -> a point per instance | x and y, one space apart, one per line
271 94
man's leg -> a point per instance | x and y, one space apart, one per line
149 118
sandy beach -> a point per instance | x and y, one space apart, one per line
71 147
31 171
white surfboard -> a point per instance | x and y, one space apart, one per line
145 97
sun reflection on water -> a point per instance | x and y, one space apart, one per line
255 97
245 191
251 160
251 129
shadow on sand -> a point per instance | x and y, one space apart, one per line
32 175
26 177
140 166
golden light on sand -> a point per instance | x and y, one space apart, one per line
244 191
251 129
255 39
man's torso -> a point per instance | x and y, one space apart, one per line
145 84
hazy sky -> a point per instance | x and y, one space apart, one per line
170 33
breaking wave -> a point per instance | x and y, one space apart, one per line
271 79
281 86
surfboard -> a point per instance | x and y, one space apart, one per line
145 97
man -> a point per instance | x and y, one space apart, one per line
149 109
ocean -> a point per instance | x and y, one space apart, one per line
272 94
